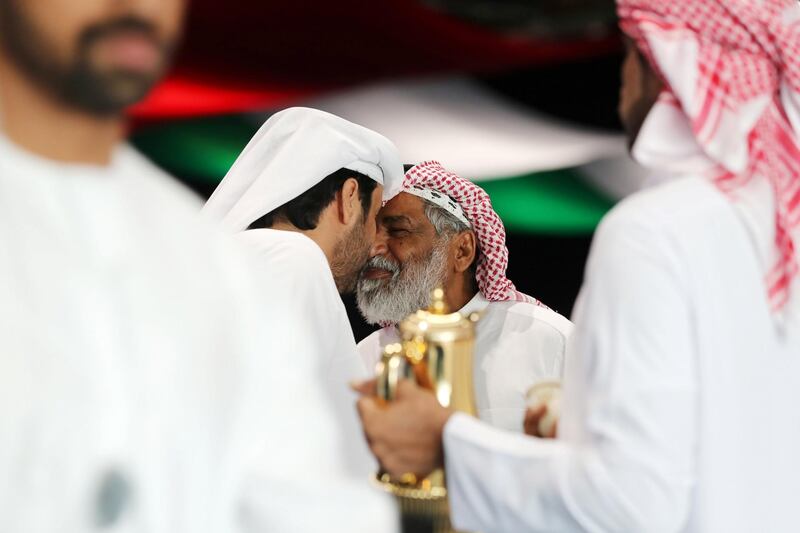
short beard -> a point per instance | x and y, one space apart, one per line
349 257
389 301
78 83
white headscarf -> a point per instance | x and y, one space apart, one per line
293 151
730 110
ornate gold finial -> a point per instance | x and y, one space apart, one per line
438 305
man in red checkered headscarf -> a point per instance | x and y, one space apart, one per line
680 396
441 230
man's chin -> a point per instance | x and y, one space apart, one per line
106 95
373 313
372 284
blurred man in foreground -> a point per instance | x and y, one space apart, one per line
441 230
679 410
142 387
303 197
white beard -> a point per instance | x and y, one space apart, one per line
383 301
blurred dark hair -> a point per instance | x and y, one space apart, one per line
303 212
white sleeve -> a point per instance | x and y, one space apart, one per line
624 459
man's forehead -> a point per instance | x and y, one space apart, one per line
404 206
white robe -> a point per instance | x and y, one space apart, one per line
143 386
298 269
681 397
516 345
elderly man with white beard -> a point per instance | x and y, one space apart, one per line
442 230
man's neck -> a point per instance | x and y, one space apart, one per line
459 293
40 124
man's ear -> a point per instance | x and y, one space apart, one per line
348 202
464 247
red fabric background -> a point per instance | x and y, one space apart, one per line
241 55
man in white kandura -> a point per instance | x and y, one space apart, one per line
142 386
441 230
680 398
303 197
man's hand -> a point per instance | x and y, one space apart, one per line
406 434
536 424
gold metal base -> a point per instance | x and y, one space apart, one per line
422 510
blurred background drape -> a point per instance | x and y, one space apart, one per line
517 95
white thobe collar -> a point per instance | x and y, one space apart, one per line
477 304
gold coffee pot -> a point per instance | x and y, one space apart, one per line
436 350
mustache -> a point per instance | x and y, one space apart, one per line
382 263
124 24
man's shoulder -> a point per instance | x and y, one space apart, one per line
293 265
671 227
672 205
152 179
541 320
553 320
290 248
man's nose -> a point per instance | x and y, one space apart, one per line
380 246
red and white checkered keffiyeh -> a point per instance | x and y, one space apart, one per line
489 230
732 72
